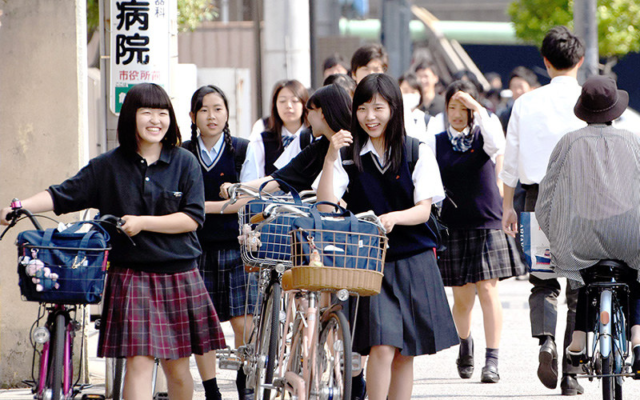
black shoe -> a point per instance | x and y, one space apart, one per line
490 374
548 367
570 386
246 394
577 358
465 366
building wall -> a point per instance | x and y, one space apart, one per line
43 113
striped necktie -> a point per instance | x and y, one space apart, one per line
286 140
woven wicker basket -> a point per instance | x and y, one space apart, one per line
363 282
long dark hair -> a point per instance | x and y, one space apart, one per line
275 122
394 134
145 95
335 103
460 86
196 105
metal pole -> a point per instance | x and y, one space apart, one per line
585 23
257 47
313 42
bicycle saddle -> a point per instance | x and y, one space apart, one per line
605 270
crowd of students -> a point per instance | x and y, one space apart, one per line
351 141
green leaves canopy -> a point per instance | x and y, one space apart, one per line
618 22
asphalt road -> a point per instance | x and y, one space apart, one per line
436 376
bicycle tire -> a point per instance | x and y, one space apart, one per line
333 376
268 341
120 365
607 381
294 361
57 361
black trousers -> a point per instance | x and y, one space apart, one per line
543 301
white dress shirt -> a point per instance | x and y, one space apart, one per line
490 128
253 167
426 175
538 121
209 157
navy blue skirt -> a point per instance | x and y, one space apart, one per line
411 312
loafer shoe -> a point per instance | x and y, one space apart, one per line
548 367
465 366
570 386
489 374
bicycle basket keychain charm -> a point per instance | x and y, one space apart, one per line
314 257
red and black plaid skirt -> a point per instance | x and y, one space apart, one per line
167 316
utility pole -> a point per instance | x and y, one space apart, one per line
585 23
395 34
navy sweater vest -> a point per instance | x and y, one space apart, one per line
220 231
470 179
384 192
272 150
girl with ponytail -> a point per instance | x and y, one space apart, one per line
220 265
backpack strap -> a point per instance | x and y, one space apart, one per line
305 138
240 146
412 150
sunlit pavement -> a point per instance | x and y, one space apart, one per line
436 376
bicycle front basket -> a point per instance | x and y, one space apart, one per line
65 267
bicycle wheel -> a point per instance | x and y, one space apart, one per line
119 366
56 365
607 381
332 378
268 341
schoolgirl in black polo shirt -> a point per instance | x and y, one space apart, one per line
220 265
411 314
478 253
155 303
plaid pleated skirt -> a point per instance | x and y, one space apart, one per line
167 316
233 291
474 255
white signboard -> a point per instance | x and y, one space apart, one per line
140 37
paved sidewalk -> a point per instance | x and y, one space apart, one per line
436 376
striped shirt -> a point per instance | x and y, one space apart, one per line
589 200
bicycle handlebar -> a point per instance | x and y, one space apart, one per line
17 211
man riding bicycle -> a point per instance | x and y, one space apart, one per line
589 202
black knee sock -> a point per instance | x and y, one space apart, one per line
357 384
636 357
211 390
491 357
466 346
241 381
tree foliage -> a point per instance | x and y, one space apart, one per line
618 22
191 13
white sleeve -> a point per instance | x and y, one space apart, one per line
426 177
435 126
257 128
289 153
250 170
509 174
340 179
491 130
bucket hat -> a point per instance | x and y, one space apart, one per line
600 100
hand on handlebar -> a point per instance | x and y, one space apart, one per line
224 190
3 216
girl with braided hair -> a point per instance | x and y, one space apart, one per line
220 265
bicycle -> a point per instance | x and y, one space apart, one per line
60 289
316 359
607 348
265 249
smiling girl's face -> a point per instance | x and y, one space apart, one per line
212 117
152 124
374 115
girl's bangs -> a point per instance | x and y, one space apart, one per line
155 98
